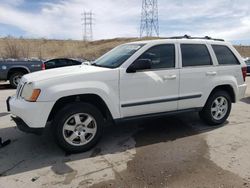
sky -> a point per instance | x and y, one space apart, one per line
61 19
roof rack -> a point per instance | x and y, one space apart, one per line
189 37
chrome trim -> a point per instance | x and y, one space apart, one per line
19 89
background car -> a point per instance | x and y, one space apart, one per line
13 69
61 62
248 64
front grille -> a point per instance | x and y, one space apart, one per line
19 89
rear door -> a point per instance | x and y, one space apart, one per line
196 74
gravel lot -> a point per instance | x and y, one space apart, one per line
178 151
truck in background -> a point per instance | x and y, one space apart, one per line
13 69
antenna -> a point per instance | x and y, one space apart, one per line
87 22
149 19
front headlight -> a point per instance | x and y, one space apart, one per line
29 93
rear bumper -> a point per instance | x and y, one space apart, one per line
22 126
241 91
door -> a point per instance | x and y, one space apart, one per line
196 75
151 90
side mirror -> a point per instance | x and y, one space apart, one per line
140 64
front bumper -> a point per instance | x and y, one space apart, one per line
22 126
33 114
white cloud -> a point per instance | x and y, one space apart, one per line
61 19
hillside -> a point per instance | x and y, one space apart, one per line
43 48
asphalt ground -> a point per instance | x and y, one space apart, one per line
177 151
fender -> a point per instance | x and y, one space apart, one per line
18 67
107 92
223 80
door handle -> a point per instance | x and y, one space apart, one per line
211 73
169 77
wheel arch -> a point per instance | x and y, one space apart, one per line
225 87
17 69
93 99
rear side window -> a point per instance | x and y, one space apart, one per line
62 63
75 62
195 55
50 64
161 56
224 55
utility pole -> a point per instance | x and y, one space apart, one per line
149 19
87 23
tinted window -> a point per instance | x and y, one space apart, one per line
73 62
55 63
62 63
50 64
195 55
224 55
248 62
161 56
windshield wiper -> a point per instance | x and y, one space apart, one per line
94 64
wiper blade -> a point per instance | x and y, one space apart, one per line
94 64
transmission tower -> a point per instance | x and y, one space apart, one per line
149 19
87 22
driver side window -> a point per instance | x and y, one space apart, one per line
160 56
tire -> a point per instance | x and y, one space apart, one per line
214 114
86 133
14 79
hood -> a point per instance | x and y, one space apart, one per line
61 72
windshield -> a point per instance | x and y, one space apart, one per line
248 62
117 56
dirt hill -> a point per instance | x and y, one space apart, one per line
43 48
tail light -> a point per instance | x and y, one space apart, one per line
244 73
43 66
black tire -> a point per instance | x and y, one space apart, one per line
206 113
13 79
68 111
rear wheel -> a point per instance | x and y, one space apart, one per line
217 108
15 79
78 127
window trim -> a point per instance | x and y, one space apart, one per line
231 53
159 69
196 66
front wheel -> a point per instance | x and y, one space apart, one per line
78 127
217 108
15 79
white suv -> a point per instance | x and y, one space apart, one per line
133 81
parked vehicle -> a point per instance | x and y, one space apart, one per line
61 62
13 70
133 81
248 64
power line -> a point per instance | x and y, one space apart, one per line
87 23
149 19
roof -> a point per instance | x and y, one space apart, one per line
185 39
